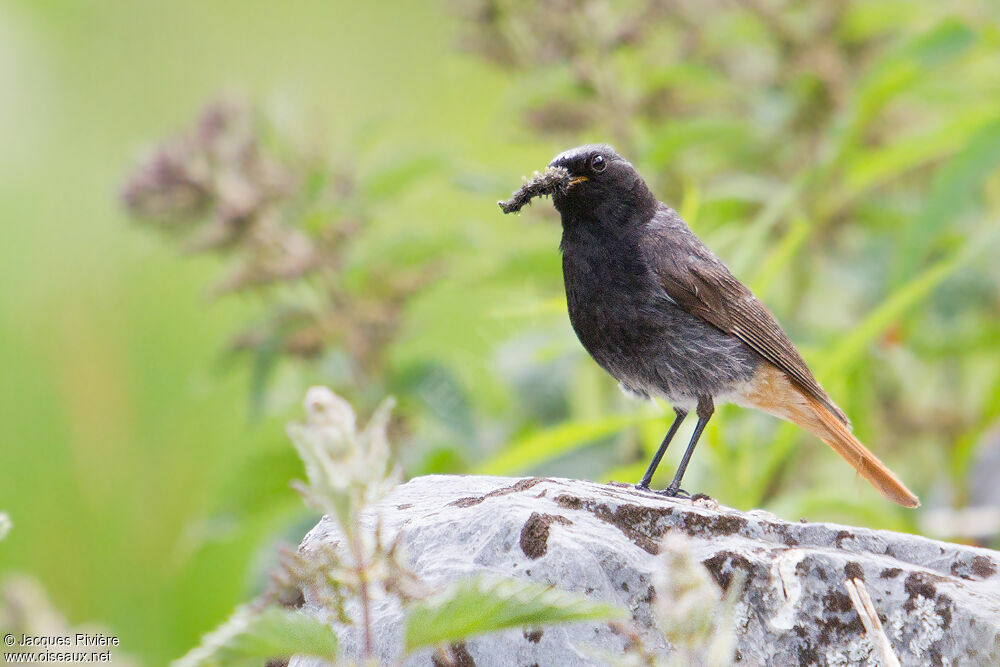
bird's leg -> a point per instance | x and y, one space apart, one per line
647 478
704 411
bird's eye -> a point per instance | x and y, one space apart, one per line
598 163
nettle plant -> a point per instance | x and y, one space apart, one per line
348 471
288 224
315 598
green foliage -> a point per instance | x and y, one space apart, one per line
542 446
251 638
953 189
476 606
349 472
830 156
841 157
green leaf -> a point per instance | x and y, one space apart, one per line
851 347
475 606
900 70
766 467
681 134
966 445
951 191
776 260
873 167
865 20
850 350
756 233
545 445
251 638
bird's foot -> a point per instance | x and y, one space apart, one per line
674 491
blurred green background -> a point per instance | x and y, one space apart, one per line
841 157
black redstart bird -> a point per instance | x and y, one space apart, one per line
665 317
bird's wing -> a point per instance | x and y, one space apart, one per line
702 285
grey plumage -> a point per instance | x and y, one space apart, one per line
651 303
665 317
633 328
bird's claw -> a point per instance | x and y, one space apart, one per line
673 491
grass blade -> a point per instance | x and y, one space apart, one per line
548 444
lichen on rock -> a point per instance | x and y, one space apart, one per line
938 603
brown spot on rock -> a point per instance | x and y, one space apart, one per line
569 502
535 533
837 602
807 567
459 657
522 485
980 566
468 501
890 573
943 609
833 629
718 524
807 654
533 635
854 571
920 584
983 567
723 565
640 524
787 538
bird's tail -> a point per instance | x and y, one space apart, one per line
834 433
775 393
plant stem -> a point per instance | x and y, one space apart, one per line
362 573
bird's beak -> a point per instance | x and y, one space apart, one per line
578 179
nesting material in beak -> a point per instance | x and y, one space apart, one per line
553 179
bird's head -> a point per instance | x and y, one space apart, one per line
602 185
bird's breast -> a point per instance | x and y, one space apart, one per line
637 333
612 303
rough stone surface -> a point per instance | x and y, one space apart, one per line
939 603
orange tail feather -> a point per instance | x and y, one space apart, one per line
773 392
842 441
